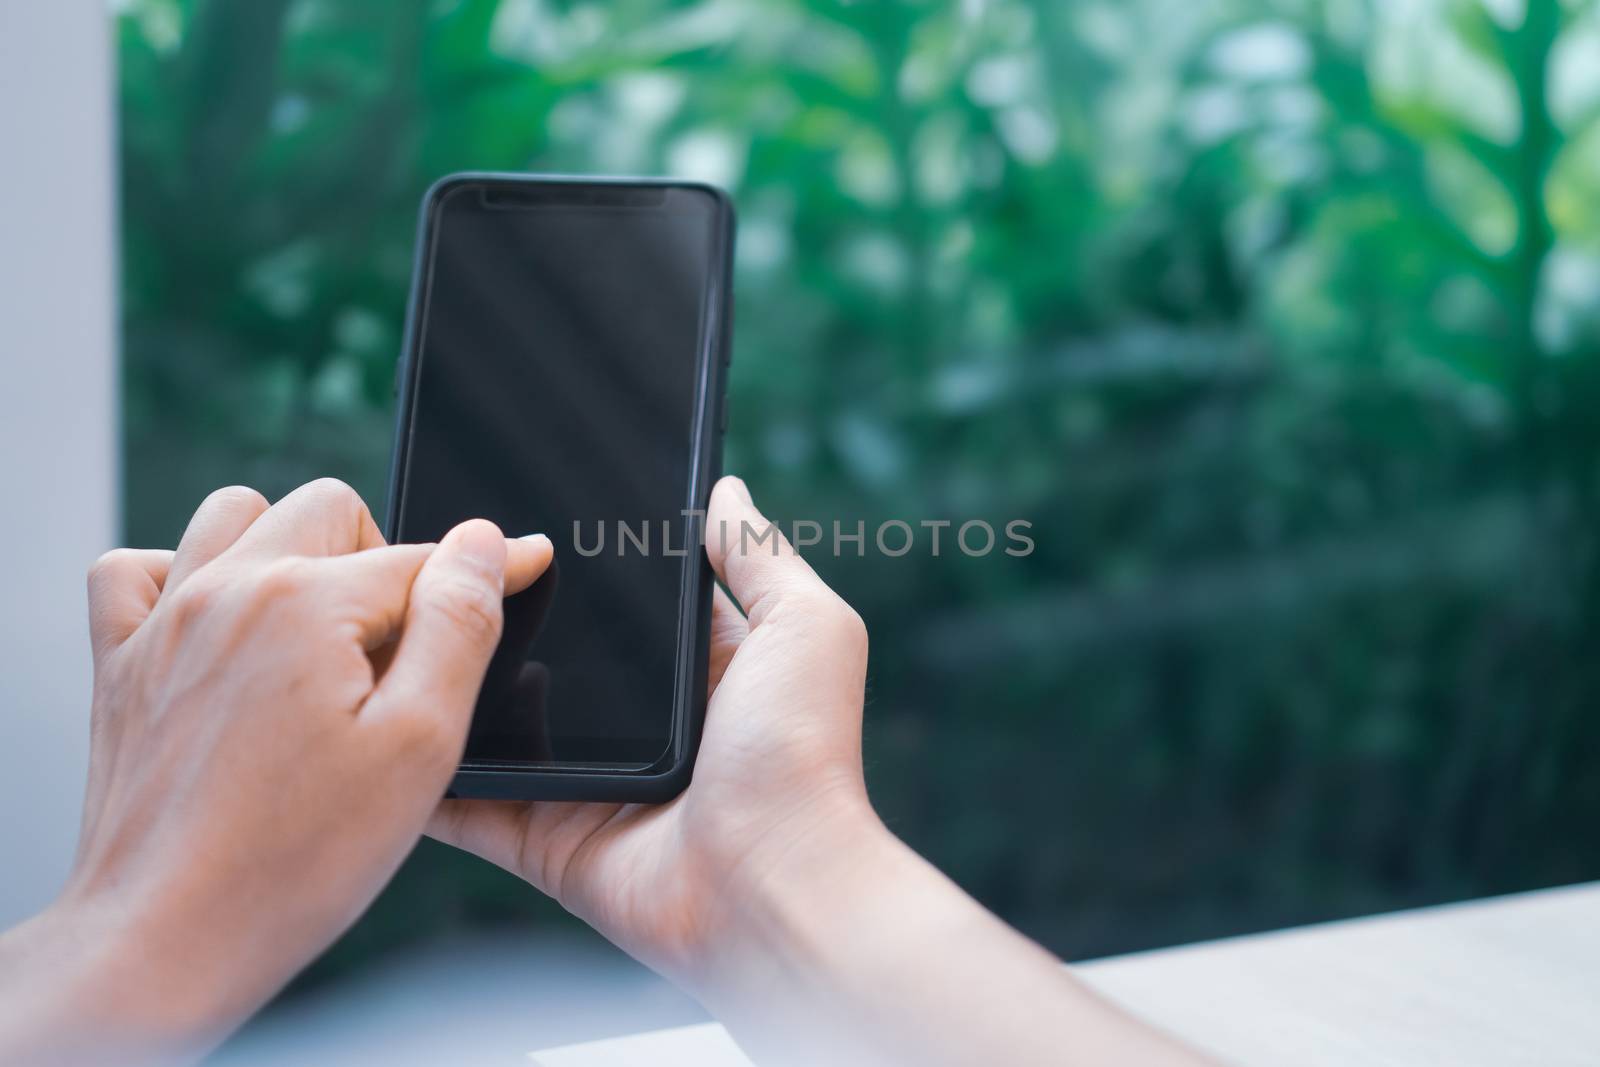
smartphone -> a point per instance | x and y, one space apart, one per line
563 372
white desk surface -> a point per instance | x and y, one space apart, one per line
1503 982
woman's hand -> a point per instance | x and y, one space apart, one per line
770 889
277 708
778 772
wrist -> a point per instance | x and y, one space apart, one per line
783 920
89 978
856 950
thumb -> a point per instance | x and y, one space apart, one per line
805 659
760 567
770 580
452 624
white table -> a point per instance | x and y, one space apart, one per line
1501 982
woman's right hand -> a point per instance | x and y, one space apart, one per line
277 707
770 890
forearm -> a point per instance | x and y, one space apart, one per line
83 983
860 952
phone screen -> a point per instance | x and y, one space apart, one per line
559 390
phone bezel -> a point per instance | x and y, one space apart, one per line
669 775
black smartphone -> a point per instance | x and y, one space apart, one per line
564 368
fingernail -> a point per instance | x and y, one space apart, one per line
740 490
537 541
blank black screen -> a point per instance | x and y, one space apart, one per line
557 392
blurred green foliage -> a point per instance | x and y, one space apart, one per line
1280 319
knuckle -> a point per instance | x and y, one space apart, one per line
337 501
425 739
282 579
109 568
823 612
471 608
335 494
851 627
196 598
235 497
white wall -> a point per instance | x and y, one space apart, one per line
58 423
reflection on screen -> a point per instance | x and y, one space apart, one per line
556 394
